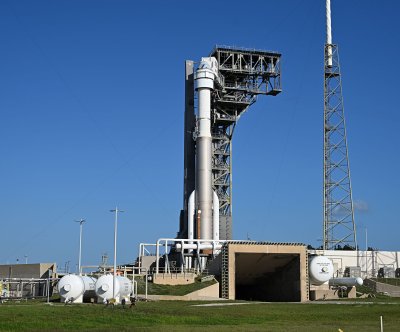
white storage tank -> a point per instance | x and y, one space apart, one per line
320 270
348 282
90 287
104 288
71 288
74 288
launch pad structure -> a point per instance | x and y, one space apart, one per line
219 89
243 74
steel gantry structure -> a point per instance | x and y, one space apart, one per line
339 227
244 74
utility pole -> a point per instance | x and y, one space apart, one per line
49 273
81 221
66 267
116 211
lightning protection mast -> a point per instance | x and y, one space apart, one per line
339 228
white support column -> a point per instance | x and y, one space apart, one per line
329 32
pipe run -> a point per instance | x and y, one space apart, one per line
184 243
198 246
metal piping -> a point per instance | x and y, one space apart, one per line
197 244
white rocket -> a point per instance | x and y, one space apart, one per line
203 199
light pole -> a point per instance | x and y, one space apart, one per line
81 221
366 252
67 267
116 211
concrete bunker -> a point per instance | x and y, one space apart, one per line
266 272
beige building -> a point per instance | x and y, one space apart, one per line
35 271
263 271
26 280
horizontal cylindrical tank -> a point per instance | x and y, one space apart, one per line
320 269
104 287
349 282
90 288
74 287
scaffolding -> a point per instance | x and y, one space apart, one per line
246 73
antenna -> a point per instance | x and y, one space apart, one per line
329 33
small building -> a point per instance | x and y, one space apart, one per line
27 280
263 271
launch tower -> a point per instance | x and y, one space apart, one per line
241 75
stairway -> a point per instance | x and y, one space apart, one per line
225 271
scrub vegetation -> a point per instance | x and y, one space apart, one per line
360 315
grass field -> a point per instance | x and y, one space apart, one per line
186 316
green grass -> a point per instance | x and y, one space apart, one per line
153 289
389 281
183 316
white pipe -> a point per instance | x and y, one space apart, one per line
157 255
199 246
196 244
135 287
140 270
142 249
215 217
329 32
192 199
173 241
216 245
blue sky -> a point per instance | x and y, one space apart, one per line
91 101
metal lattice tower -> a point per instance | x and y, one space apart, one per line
245 74
338 226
